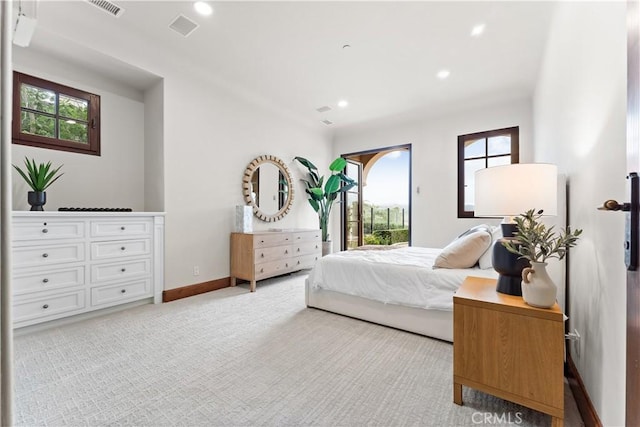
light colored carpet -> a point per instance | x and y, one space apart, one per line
231 357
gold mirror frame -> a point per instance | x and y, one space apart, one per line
246 187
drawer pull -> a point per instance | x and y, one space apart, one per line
123 270
123 228
298 249
44 230
261 241
286 238
262 270
45 280
286 251
298 262
122 248
45 306
286 265
123 291
316 246
45 255
261 255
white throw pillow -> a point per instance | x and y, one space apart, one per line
485 262
464 252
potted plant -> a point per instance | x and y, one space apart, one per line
39 178
537 243
322 195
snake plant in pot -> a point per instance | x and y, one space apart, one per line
323 194
39 177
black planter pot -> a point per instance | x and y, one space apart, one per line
37 199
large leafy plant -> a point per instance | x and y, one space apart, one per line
322 195
537 243
39 177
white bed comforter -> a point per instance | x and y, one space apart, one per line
403 276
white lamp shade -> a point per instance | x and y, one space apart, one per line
514 189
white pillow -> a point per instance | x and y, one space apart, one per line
485 259
464 252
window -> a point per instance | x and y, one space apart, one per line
478 151
49 115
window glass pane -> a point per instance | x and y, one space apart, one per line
352 206
470 167
474 148
499 145
352 170
499 161
73 131
37 99
37 124
73 108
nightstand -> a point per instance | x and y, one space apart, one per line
506 348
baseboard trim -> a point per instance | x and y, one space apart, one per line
198 288
585 406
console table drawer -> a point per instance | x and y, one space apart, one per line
121 228
308 248
120 270
272 239
270 254
120 248
273 268
303 262
301 236
55 305
47 280
33 256
117 294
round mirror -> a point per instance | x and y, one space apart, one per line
267 186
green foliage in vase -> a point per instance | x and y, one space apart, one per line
39 177
537 243
321 194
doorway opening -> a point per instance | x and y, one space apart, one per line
378 210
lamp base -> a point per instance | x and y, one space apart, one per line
509 285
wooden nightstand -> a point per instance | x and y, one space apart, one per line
506 348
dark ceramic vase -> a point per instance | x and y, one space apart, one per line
37 199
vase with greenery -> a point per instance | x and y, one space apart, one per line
39 177
323 194
537 243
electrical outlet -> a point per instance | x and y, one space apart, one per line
196 270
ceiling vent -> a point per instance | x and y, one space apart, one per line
106 6
323 109
183 25
327 122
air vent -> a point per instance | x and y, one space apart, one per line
106 6
327 122
183 25
323 109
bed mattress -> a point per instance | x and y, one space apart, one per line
403 276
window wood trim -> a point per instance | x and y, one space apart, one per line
513 132
93 130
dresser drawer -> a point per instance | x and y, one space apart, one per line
120 248
128 228
273 268
301 236
273 253
274 239
303 262
48 279
54 305
47 230
120 270
307 248
30 256
123 292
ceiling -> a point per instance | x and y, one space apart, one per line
292 53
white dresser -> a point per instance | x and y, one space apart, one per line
263 254
67 263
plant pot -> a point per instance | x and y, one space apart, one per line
327 247
37 199
538 290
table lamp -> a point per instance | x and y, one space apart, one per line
509 191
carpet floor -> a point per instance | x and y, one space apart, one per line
234 358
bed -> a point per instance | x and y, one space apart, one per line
397 288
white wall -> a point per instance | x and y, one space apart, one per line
434 142
114 179
154 148
580 124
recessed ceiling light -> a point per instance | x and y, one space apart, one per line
203 8
477 30
343 103
443 74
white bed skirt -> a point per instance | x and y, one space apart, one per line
429 322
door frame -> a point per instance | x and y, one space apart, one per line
343 223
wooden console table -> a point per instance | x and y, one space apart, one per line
506 348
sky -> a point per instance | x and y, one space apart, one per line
388 180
